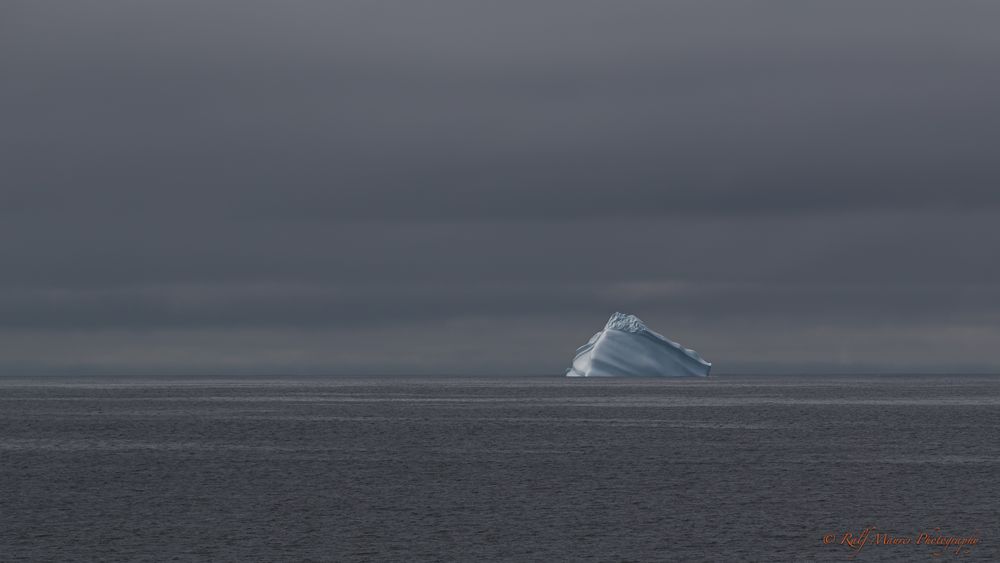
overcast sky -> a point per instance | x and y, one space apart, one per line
474 187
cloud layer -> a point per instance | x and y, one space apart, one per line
354 186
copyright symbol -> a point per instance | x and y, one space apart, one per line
828 538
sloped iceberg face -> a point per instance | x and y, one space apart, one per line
626 347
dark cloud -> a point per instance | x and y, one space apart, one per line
276 306
290 171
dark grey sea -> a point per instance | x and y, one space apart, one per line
749 468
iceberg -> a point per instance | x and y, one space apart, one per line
626 347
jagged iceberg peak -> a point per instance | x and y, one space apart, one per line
625 323
627 347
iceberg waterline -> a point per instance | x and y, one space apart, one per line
627 347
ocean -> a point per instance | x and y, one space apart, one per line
738 468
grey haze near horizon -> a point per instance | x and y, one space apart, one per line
470 187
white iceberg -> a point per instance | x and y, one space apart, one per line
626 347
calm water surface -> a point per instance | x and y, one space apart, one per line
465 469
